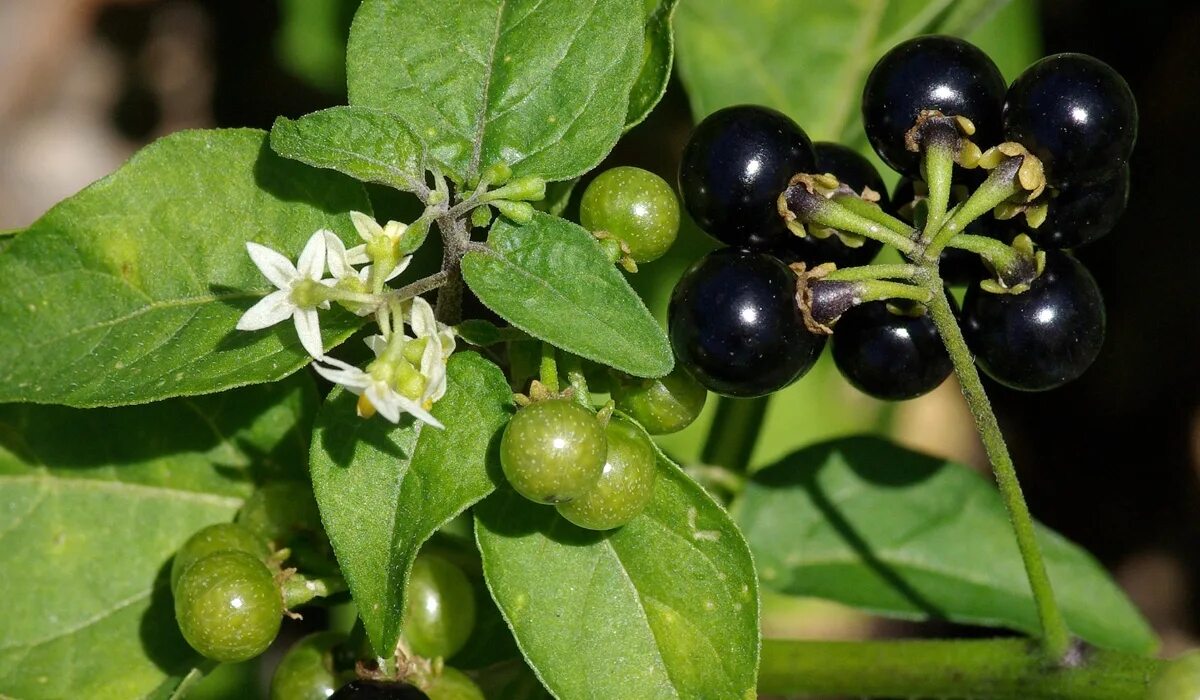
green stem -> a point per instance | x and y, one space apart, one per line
872 211
1001 669
1000 184
548 368
902 271
298 590
937 169
999 255
811 208
1056 638
880 290
575 377
734 432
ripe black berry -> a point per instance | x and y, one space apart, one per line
1079 215
734 167
930 72
734 324
1075 113
377 690
890 350
1042 338
856 172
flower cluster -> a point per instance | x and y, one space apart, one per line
408 373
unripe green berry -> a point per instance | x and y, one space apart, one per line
228 606
1178 680
217 538
664 405
553 451
439 609
626 485
453 684
634 205
306 671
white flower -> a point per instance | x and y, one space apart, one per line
374 387
370 230
341 265
438 349
294 296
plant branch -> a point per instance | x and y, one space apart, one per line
419 287
455 241
1003 182
1056 638
1000 669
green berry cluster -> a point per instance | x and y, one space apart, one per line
598 471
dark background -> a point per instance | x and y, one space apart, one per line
1110 461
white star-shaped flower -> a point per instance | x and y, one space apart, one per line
293 297
381 395
438 349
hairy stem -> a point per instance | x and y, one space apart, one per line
1056 639
937 168
999 255
880 290
899 271
425 284
1000 669
548 368
455 240
734 432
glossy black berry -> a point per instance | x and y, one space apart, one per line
855 171
930 72
890 350
1079 215
1075 113
734 324
734 167
378 690
1042 338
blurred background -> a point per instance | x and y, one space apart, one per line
1111 461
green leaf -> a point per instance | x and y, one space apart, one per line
551 280
806 58
366 144
93 505
664 607
542 85
129 291
866 523
658 53
384 489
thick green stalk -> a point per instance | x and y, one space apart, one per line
1056 638
548 368
734 432
999 669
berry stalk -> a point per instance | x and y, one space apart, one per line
734 432
1000 669
1056 639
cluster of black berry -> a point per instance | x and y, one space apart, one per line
735 317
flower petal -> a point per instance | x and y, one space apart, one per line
412 407
421 318
354 379
358 255
336 256
269 310
309 330
366 226
400 267
312 259
276 268
384 401
394 230
377 343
